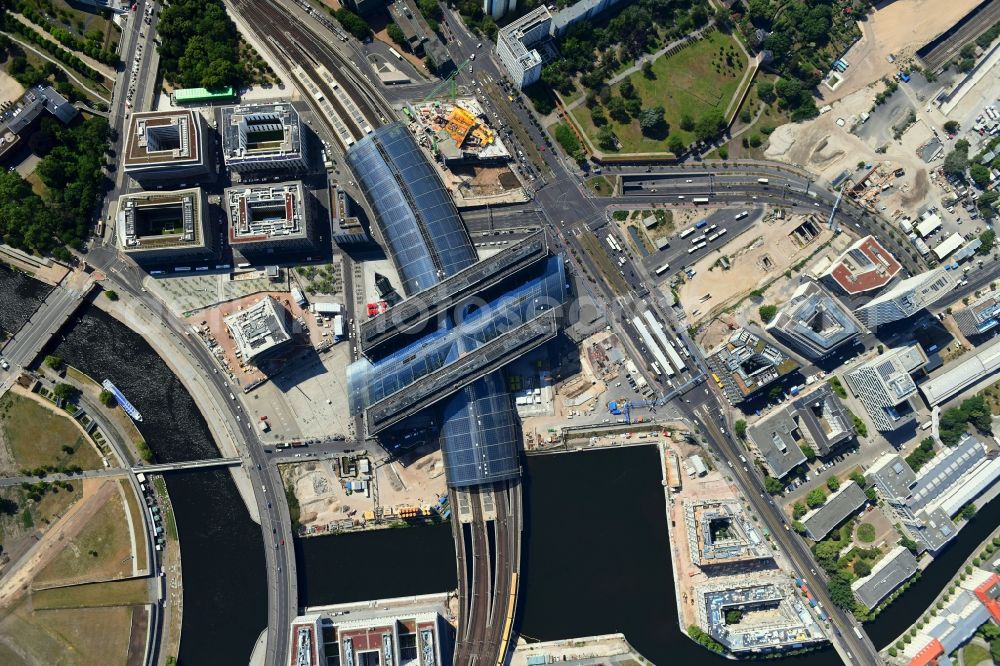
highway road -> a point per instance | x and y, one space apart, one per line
45 322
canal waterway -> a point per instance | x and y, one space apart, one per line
379 564
22 294
222 549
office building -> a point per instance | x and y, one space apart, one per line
516 44
981 316
454 364
972 605
924 502
783 623
496 9
908 297
884 384
813 323
162 146
263 137
418 34
720 534
865 266
962 374
818 420
307 641
524 45
839 506
401 634
888 574
260 330
269 218
16 117
745 364
161 227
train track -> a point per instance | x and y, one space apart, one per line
319 68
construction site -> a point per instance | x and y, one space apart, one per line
366 490
471 156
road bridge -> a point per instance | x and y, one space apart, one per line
189 464
22 349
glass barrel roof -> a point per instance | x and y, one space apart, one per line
413 210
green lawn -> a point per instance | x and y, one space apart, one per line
690 82
35 435
974 654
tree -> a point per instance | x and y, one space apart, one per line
107 398
968 511
722 20
687 122
765 91
352 23
606 138
396 34
111 294
862 569
798 510
740 427
733 616
767 312
951 127
909 544
995 650
567 139
616 107
651 120
54 362
647 70
745 115
979 174
627 89
816 498
598 117
808 452
921 455
709 125
66 391
773 485
956 162
840 590
833 483
987 238
986 201
675 145
634 107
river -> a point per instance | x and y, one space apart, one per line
22 294
222 549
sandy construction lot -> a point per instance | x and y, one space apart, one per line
10 89
757 256
898 28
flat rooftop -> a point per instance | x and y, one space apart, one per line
259 329
721 533
888 573
157 220
261 132
162 138
864 266
841 504
962 373
268 211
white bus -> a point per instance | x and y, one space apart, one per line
698 239
700 200
711 228
687 232
395 53
762 181
712 237
656 369
740 216
663 269
700 245
722 232
691 250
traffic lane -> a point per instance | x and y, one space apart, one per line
777 523
678 249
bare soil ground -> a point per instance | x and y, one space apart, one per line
757 256
18 577
65 636
10 89
897 28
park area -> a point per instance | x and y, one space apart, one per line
693 85
35 435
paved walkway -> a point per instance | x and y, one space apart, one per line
41 54
86 59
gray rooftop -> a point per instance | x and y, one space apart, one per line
813 322
892 476
263 132
962 374
777 439
944 470
841 504
889 573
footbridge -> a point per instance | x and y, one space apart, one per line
189 464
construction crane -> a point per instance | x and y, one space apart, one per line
625 407
450 80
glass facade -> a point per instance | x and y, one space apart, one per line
415 214
427 242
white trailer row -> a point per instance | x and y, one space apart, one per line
661 335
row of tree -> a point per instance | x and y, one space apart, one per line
199 45
91 44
